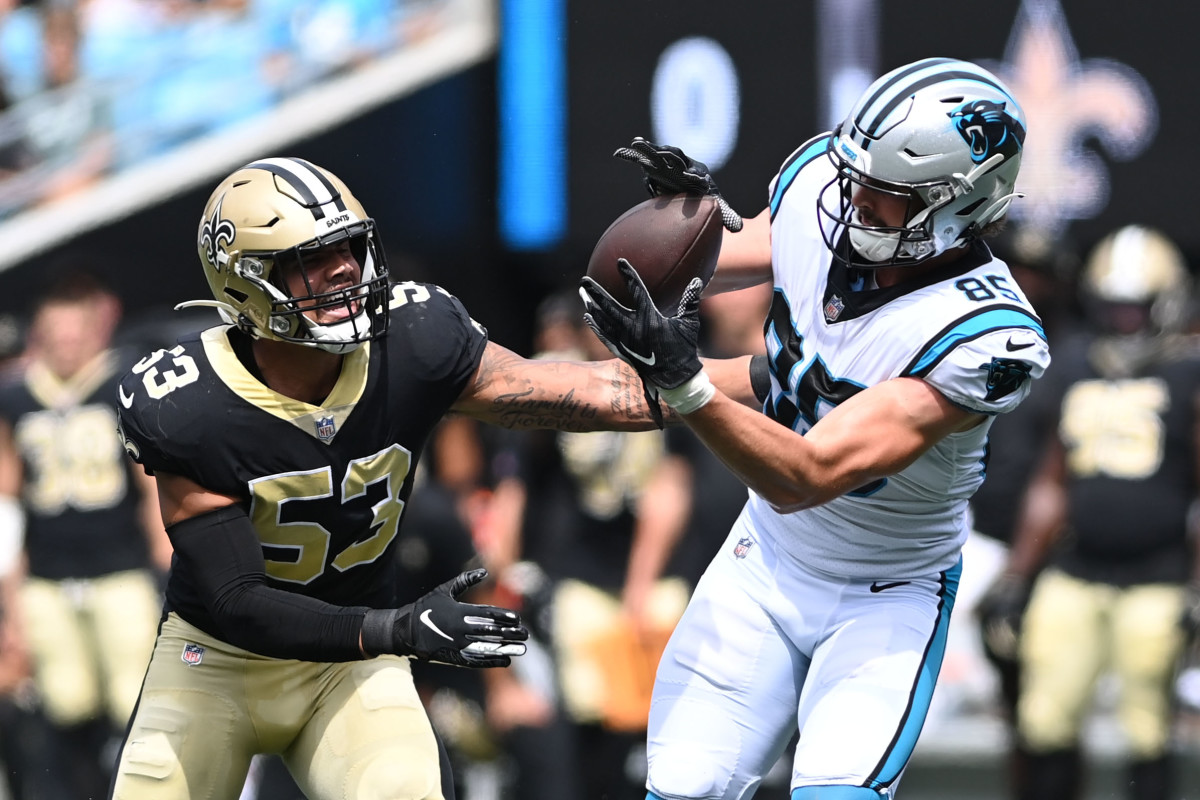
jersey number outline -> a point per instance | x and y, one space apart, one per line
75 459
161 382
1115 428
311 540
798 406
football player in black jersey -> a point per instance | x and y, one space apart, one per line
89 601
284 444
1108 515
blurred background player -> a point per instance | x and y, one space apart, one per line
981 657
599 514
1106 519
94 545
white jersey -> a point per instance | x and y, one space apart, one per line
968 330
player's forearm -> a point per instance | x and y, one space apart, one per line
521 394
745 258
222 556
1043 515
770 459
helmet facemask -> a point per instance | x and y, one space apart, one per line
874 246
267 222
291 316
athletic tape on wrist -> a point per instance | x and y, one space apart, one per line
689 396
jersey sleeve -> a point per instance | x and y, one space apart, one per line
136 425
992 372
442 344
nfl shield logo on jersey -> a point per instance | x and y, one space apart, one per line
325 429
743 546
192 654
833 308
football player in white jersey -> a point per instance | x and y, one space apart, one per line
893 340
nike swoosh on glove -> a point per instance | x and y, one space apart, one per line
663 350
438 627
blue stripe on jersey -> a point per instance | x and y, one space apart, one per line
808 151
906 739
974 326
834 793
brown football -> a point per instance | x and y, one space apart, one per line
668 239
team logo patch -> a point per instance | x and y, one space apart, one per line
326 428
216 234
192 654
1005 376
743 547
834 308
988 127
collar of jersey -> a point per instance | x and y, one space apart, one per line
864 301
340 402
53 392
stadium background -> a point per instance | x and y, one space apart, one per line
489 172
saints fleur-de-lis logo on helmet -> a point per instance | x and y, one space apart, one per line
988 128
216 234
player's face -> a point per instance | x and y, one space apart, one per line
66 336
321 271
879 208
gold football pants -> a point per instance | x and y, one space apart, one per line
90 641
347 731
1074 631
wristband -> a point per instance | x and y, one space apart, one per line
690 395
12 534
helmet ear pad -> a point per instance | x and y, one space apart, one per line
270 214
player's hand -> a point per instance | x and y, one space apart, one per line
999 612
668 170
663 350
1190 620
439 628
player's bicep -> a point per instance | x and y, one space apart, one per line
181 498
880 431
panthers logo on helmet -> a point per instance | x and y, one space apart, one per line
215 235
988 128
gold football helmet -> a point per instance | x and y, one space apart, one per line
1139 271
271 216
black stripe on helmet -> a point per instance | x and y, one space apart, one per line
917 67
304 179
929 80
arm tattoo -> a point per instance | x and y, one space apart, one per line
567 396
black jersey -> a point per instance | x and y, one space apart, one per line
325 486
78 489
1131 469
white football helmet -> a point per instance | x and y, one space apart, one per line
946 136
272 215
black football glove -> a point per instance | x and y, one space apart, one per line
663 350
439 628
999 612
668 170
